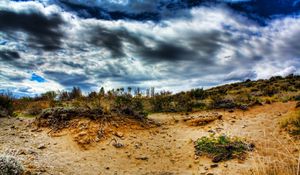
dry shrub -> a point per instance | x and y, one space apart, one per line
10 165
275 158
6 105
291 123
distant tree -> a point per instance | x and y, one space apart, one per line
148 92
50 95
152 92
129 90
198 93
92 94
75 93
137 92
63 96
122 90
102 92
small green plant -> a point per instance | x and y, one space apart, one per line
222 147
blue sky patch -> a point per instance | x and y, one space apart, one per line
37 78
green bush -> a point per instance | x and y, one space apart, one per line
176 103
222 147
219 102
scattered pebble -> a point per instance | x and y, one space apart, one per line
142 158
214 165
41 146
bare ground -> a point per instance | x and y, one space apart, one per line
163 150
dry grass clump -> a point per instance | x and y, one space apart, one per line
291 123
275 158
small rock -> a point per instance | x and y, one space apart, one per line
118 145
30 151
225 165
41 146
210 174
211 131
205 168
119 134
22 152
214 165
142 158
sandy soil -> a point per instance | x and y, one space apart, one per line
163 150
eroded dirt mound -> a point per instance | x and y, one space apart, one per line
89 126
59 117
202 119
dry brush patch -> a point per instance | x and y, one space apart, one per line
275 158
291 123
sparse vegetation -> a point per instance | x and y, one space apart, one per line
9 165
6 105
102 115
240 95
222 147
291 123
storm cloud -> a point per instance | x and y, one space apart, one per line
42 31
8 55
191 44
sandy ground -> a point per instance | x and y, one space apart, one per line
163 150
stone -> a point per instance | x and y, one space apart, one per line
214 165
41 146
118 145
119 134
142 158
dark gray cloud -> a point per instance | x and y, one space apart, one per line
8 55
42 31
72 64
203 46
70 80
214 45
155 10
112 39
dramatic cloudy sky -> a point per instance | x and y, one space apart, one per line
168 44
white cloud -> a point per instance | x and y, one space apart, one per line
209 48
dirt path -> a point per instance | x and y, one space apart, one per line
164 150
